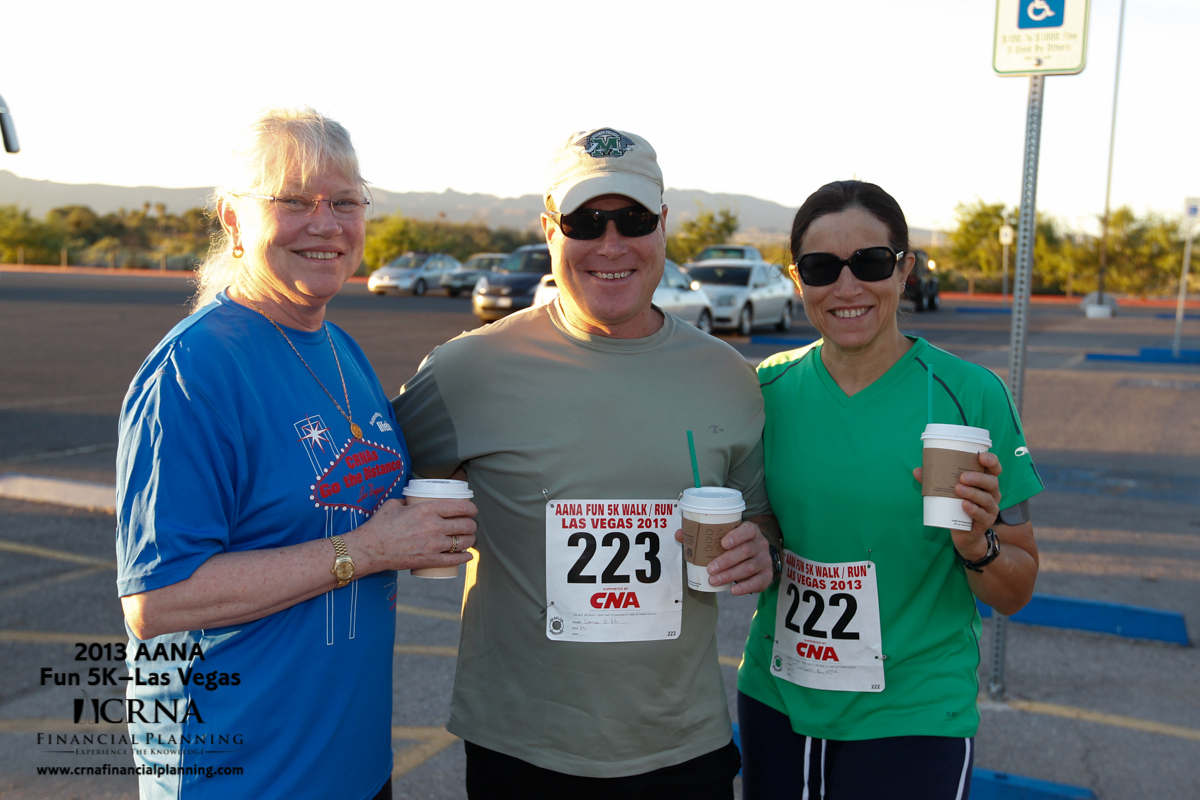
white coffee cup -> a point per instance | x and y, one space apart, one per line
421 490
949 451
709 512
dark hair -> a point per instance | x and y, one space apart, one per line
841 195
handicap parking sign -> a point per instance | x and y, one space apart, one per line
1040 13
1040 37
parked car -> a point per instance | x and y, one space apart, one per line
511 285
412 272
921 287
676 294
464 278
746 294
743 251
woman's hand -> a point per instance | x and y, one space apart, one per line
980 492
237 587
401 536
1007 583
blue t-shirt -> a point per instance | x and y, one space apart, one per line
228 443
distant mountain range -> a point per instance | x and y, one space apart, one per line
761 220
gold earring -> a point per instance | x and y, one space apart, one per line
238 251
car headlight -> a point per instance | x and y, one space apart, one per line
481 286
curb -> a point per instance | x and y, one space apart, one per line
1151 355
987 784
1094 616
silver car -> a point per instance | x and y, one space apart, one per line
746 294
412 272
675 294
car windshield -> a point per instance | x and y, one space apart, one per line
483 264
721 252
407 262
529 261
727 276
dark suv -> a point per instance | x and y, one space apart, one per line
510 286
922 285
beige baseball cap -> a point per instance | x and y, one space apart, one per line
604 161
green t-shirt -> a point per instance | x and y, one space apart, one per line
839 477
542 411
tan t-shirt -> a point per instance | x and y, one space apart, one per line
540 410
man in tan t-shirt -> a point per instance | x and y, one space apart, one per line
587 667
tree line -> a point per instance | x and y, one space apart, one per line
152 237
1144 252
77 235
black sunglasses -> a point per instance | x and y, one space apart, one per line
589 223
870 264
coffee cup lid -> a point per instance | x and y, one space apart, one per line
961 433
712 500
436 487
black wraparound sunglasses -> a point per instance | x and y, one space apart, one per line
871 264
589 223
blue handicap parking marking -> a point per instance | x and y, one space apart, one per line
1040 13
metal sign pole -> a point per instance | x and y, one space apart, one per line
1022 283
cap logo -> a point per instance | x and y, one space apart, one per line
606 143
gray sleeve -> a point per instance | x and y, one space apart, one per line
748 477
426 425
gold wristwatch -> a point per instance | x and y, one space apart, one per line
343 565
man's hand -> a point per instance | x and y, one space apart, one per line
746 562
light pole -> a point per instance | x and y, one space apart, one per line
1192 211
1112 139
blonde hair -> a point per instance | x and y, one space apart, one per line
283 146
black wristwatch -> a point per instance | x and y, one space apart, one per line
776 563
993 552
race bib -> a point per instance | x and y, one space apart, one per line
614 572
827 633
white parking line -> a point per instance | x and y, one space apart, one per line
57 555
77 494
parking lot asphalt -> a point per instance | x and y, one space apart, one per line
1119 443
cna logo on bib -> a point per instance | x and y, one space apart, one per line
605 144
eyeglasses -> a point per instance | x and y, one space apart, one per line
870 264
589 223
302 205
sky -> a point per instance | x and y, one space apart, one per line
757 97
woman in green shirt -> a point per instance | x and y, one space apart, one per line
859 678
